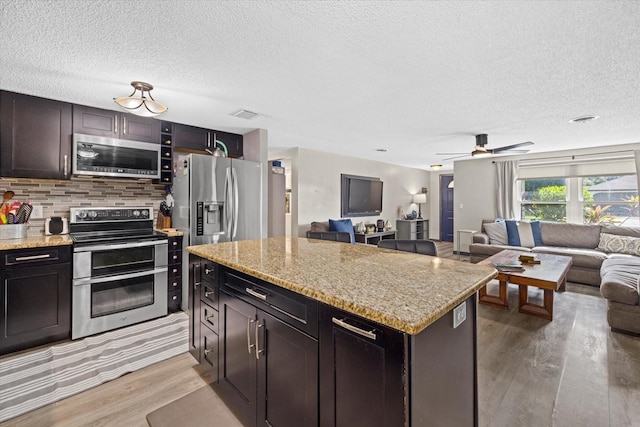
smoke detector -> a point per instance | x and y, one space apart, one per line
244 114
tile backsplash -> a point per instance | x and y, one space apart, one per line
56 197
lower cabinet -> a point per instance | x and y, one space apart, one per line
35 297
268 368
362 371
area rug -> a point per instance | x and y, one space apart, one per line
45 375
201 408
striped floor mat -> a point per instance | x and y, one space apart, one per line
43 376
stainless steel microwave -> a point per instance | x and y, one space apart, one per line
102 156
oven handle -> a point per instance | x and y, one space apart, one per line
89 280
121 246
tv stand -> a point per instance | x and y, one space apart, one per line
374 238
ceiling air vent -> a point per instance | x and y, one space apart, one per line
245 114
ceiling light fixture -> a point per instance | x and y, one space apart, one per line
141 105
584 119
480 152
436 167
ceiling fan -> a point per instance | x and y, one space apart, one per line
481 151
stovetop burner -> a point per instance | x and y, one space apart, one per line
110 225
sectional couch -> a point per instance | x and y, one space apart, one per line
602 256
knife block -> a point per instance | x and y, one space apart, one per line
163 221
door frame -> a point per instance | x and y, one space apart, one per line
444 183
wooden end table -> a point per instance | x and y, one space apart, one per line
550 275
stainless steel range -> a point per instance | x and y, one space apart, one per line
119 269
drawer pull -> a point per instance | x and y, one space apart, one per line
207 293
256 294
32 257
207 351
207 271
175 257
367 334
208 318
174 284
175 243
175 297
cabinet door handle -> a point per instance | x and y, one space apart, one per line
124 125
175 257
256 294
207 271
367 334
207 293
32 257
115 124
258 351
208 318
249 345
65 166
207 351
196 275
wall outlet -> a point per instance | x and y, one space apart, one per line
459 314
37 212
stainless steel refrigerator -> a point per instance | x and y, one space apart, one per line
217 199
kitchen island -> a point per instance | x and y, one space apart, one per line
314 332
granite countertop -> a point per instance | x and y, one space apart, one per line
402 290
171 232
35 242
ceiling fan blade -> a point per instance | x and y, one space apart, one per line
449 154
456 157
510 147
511 151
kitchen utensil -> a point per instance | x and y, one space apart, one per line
24 211
8 195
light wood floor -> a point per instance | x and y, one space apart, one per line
572 371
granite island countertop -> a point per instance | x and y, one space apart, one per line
35 242
402 290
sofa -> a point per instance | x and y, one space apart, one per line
603 255
320 230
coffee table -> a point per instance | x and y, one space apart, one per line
550 275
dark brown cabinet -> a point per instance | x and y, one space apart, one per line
191 138
361 366
35 297
96 121
374 375
35 137
174 297
268 369
166 152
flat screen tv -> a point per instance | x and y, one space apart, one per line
361 196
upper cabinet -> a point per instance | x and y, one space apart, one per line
199 139
35 137
95 121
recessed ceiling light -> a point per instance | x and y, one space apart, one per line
583 119
436 167
382 150
244 114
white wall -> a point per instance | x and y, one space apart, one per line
255 148
316 187
475 195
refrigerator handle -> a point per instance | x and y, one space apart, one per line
235 201
228 208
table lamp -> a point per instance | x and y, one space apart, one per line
419 199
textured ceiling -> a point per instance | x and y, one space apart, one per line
415 78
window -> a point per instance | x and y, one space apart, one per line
587 200
610 200
544 199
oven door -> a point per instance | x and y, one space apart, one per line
109 302
119 258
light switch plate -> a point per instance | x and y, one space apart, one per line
459 314
36 212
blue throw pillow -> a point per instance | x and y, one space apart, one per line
524 233
342 225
